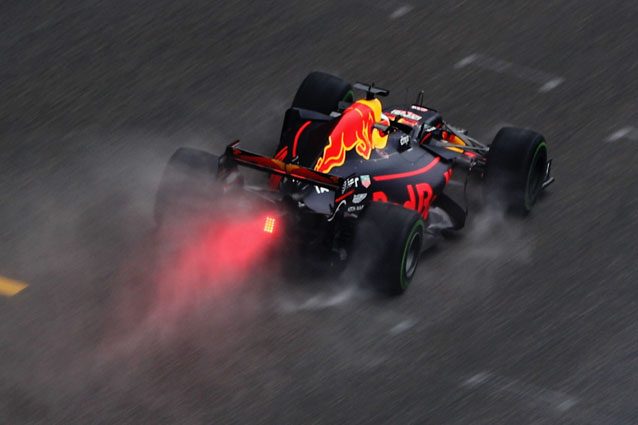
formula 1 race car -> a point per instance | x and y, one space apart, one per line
356 184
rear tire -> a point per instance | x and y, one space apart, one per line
322 93
189 182
318 92
516 166
389 239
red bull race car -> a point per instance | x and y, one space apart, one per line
356 185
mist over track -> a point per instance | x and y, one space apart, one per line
512 322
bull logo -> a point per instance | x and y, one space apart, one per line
354 131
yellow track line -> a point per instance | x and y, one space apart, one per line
10 287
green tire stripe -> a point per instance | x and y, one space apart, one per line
411 235
349 96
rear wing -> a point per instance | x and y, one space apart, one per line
234 155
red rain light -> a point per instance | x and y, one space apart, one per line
269 224
215 256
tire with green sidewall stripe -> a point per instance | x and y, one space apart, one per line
388 246
516 165
322 93
189 182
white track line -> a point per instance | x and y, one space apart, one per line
466 61
402 11
547 81
557 400
402 326
551 85
554 403
630 133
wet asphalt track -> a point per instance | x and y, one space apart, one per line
512 322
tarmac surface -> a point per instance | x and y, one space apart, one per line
513 321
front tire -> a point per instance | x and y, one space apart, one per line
516 167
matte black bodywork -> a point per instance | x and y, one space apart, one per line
412 170
394 171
